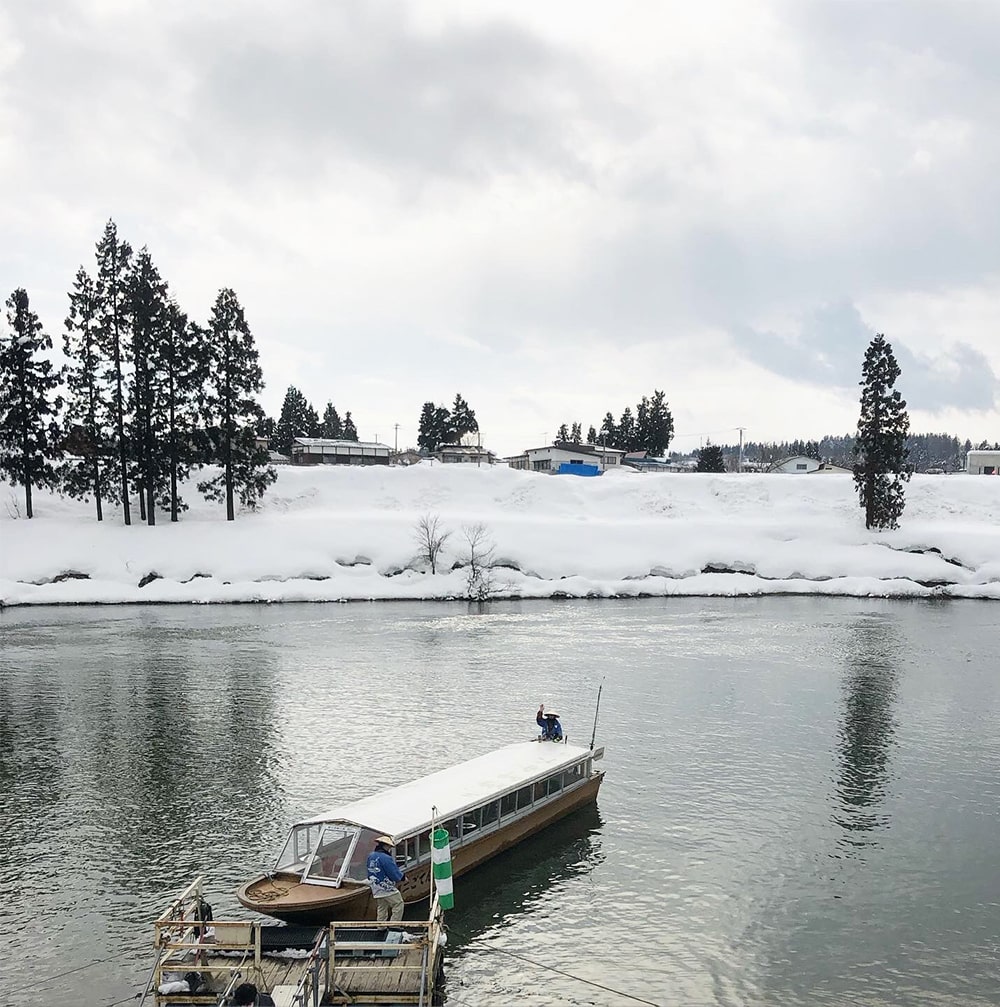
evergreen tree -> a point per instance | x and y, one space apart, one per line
234 380
425 428
591 435
266 427
350 432
609 432
87 405
296 420
881 469
331 426
183 361
562 434
462 419
626 431
113 259
659 426
148 310
711 459
28 431
576 434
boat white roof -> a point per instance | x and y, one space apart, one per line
407 808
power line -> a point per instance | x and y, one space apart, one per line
569 975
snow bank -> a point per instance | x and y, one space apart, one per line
341 534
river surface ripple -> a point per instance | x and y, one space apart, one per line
801 802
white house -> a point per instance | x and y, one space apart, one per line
563 456
983 463
797 464
326 451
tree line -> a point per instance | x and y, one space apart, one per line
650 428
298 418
149 394
439 425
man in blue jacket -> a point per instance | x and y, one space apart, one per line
384 876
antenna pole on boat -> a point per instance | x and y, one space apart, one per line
597 708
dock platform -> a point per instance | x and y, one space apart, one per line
201 960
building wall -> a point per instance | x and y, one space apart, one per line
797 465
983 463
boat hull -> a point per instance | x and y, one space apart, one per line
284 897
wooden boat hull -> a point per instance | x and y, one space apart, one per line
284 897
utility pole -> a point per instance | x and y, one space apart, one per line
739 464
395 443
479 449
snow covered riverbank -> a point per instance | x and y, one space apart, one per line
341 534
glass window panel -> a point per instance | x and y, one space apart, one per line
524 798
490 813
508 804
554 783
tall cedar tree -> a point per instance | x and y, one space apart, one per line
591 435
331 426
183 363
576 434
28 432
234 379
435 427
463 420
562 434
297 419
86 405
609 432
710 459
149 313
350 431
881 468
626 431
113 259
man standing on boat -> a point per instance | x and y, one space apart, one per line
384 876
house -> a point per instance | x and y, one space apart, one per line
563 457
828 468
464 454
326 451
983 463
642 462
797 464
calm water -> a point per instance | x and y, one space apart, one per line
801 804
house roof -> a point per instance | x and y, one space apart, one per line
580 449
330 442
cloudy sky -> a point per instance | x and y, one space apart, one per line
553 208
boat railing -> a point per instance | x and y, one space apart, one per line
351 947
183 942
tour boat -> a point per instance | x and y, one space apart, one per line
487 805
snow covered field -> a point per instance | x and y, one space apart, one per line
340 534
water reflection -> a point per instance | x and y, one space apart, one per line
866 731
495 894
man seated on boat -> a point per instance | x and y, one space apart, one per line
384 876
549 723
247 995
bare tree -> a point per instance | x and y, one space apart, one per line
478 561
431 538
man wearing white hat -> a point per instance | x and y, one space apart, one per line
384 876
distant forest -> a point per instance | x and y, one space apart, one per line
926 451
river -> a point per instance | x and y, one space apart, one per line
800 808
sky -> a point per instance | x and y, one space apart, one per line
553 209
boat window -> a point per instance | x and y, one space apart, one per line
491 812
453 825
573 775
540 790
524 798
407 852
333 853
554 783
357 868
298 847
470 822
508 803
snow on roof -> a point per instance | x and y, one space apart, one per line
407 808
332 442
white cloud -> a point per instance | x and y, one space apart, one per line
552 209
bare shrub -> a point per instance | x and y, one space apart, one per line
478 561
431 537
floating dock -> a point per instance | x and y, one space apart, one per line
201 961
